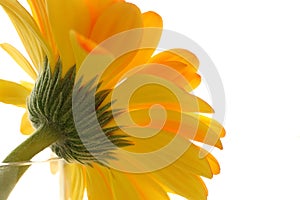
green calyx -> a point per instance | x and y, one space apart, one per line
83 136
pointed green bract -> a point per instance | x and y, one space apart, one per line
51 103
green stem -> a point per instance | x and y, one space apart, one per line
10 174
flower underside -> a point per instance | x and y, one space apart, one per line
51 104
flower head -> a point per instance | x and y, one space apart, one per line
95 60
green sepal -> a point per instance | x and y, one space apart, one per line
51 103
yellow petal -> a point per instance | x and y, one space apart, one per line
214 165
39 11
13 93
184 63
174 71
117 18
147 188
73 181
199 128
152 19
213 125
81 47
26 126
192 162
28 31
97 183
97 7
182 176
158 150
176 165
123 187
29 86
151 36
147 37
143 91
65 16
180 55
89 61
104 183
136 186
187 160
182 183
191 79
20 59
84 47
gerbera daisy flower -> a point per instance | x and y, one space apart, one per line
136 149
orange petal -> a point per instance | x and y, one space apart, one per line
116 18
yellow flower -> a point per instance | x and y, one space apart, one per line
60 35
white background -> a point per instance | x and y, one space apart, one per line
256 48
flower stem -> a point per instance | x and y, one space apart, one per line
12 172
